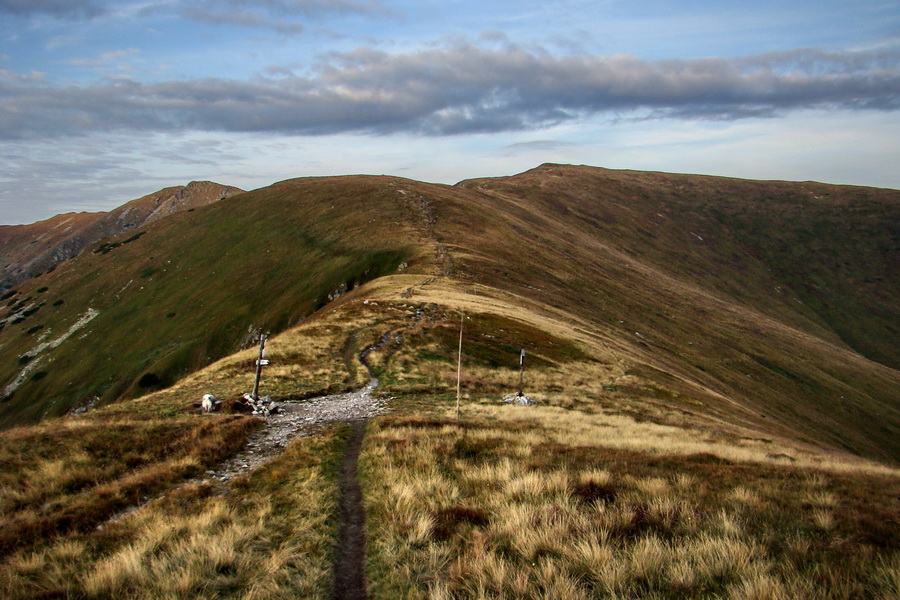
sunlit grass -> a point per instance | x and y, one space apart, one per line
544 502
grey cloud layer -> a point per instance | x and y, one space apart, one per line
58 8
278 15
457 90
271 14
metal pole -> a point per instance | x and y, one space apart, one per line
521 370
259 365
459 363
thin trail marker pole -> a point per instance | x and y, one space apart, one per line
462 318
521 370
259 365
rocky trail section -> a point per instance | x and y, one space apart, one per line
290 420
298 419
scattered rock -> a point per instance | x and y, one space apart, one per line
522 400
262 406
287 420
337 293
85 407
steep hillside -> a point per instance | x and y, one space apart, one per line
765 304
28 250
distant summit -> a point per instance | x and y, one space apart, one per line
29 250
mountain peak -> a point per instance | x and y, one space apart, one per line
28 250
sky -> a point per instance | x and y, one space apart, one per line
104 101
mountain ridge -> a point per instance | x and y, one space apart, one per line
713 292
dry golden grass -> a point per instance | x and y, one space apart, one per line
67 476
271 536
544 502
622 482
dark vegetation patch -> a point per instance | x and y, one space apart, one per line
8 295
148 272
149 380
59 302
591 491
646 521
42 289
476 450
453 519
34 329
107 247
783 372
31 311
779 455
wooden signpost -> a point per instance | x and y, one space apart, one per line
260 363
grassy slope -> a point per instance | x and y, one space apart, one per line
623 252
186 291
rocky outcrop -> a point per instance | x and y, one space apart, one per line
27 251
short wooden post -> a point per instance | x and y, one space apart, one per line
259 365
521 371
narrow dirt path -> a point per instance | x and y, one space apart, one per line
349 576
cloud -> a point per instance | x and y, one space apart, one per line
63 9
460 89
539 145
106 58
278 15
